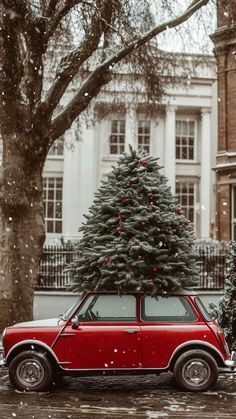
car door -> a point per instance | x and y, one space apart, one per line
166 323
108 336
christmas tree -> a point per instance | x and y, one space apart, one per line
226 312
136 237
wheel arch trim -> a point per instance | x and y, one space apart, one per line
201 346
32 342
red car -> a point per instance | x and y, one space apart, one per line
109 334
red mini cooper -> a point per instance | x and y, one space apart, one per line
104 333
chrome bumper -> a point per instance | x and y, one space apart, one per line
231 363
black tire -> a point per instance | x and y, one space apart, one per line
195 370
31 371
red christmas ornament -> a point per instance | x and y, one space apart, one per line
154 269
166 230
119 218
151 280
180 212
128 184
150 199
106 260
142 223
119 230
141 257
144 162
125 200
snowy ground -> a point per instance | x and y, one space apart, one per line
119 397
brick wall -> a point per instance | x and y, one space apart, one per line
225 48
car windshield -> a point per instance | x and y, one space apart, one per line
71 310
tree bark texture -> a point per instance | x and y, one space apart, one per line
21 230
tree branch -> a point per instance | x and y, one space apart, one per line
70 64
80 102
20 7
51 7
102 74
61 14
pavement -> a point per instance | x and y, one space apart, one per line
146 397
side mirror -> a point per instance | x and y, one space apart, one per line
75 322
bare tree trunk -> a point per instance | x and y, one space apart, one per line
21 228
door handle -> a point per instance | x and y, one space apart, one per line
131 330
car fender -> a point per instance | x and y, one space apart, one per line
32 342
198 344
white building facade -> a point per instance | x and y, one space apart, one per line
183 134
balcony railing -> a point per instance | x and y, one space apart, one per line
212 258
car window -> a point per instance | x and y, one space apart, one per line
112 308
166 309
203 309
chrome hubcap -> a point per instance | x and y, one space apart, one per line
30 372
196 372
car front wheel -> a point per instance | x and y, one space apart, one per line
195 370
31 371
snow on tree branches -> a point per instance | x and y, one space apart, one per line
136 237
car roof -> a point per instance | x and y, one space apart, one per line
177 292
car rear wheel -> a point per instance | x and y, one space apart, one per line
195 370
31 371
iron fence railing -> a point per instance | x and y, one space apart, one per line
52 273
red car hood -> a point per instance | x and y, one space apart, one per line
38 323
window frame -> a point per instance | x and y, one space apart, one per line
150 133
195 147
112 321
195 185
117 119
46 201
167 321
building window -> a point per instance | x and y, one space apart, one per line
186 195
117 136
52 189
144 131
57 149
185 139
